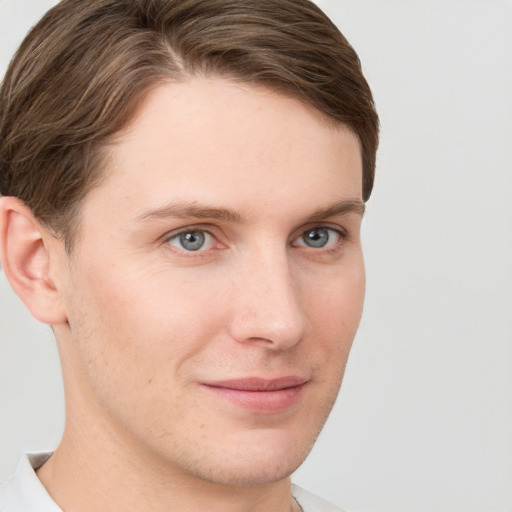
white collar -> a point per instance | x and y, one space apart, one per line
23 491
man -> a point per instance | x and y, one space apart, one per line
182 187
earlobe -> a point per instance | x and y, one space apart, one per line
26 261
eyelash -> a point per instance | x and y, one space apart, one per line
190 253
340 233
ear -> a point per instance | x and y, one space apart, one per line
25 259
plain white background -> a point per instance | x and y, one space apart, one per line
424 419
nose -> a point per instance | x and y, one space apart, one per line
267 307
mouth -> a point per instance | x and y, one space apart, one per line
258 394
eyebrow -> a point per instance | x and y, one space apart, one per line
342 207
187 210
192 210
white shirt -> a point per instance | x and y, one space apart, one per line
23 491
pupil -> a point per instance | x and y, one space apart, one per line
316 237
192 241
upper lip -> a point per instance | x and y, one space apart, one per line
258 383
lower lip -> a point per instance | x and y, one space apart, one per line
261 401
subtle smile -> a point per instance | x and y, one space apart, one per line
260 395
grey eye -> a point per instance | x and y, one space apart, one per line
319 238
316 238
191 240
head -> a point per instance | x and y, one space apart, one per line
161 159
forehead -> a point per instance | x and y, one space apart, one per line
211 137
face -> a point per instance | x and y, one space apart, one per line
217 283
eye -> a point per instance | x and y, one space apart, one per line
193 240
319 238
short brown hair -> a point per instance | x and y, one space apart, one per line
80 73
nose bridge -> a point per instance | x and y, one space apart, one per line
269 308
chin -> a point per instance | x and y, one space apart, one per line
246 473
258 461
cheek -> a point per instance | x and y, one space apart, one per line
141 317
338 303
335 312
132 336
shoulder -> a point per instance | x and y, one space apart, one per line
311 503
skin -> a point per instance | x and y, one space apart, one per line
142 323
